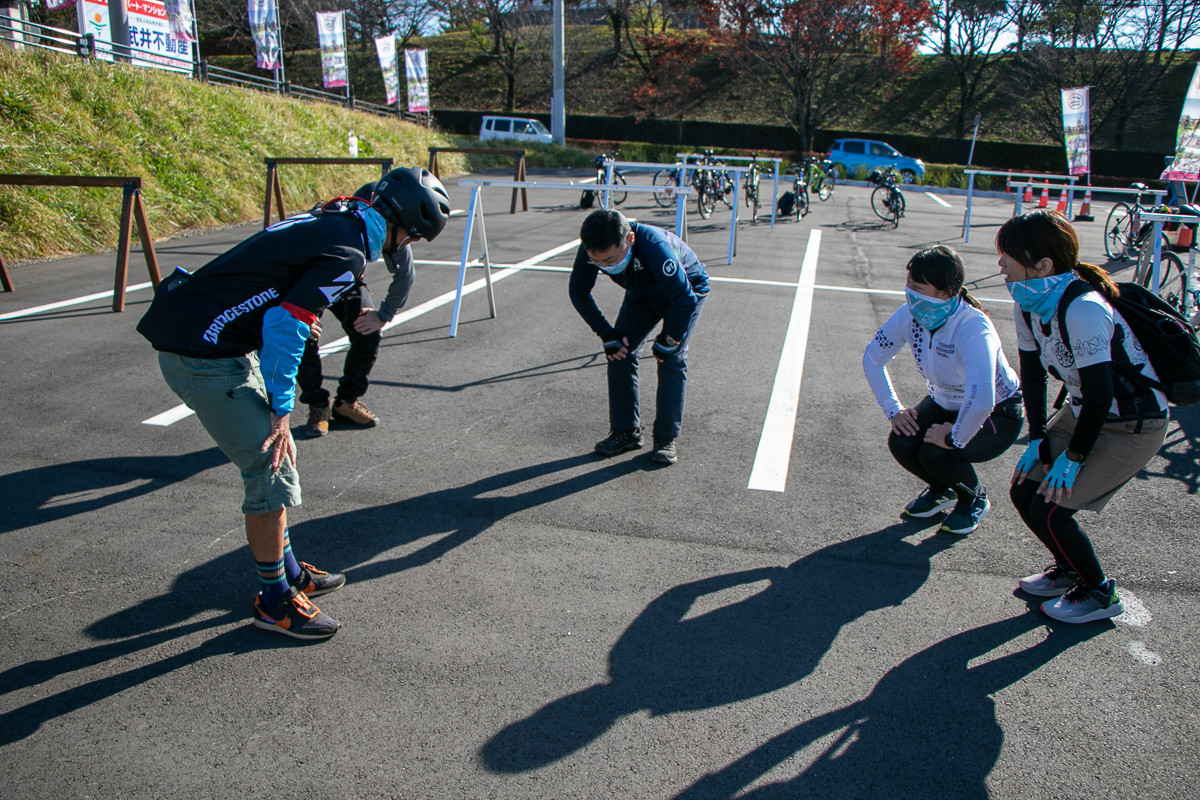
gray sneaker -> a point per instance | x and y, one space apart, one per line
1085 604
1054 582
664 452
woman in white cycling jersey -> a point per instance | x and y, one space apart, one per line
1113 424
972 412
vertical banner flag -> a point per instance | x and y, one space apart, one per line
331 34
264 27
1186 166
93 19
1077 130
179 17
416 73
151 42
55 5
386 47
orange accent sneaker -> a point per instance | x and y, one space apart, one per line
314 582
356 412
294 616
318 421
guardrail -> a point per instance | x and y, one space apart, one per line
131 208
19 35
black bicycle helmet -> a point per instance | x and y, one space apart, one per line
414 200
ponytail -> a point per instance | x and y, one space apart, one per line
969 300
1099 280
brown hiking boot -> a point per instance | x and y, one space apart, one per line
318 421
356 412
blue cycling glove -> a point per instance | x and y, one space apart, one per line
1063 473
1029 459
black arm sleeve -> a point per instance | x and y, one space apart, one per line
1096 386
1033 387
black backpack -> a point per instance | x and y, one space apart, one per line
587 199
1169 341
787 204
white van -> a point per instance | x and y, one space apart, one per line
517 128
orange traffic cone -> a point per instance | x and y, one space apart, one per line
1085 210
1061 208
1008 183
1027 197
1044 201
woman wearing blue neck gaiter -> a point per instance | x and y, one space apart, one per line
1097 441
972 412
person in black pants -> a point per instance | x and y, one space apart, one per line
972 412
360 319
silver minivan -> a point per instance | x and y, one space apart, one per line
520 129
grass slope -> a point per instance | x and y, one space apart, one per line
198 148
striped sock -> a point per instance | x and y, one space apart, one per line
290 564
274 581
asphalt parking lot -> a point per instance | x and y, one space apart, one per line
526 620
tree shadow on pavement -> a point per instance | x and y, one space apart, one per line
54 492
928 729
667 661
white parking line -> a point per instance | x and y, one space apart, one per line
937 199
171 416
770 469
75 301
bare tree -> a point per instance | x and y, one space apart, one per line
812 58
965 34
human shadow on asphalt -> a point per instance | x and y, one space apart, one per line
666 661
27 719
859 226
46 494
573 364
928 729
1181 450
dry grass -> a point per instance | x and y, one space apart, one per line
200 150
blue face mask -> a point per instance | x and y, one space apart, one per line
619 267
930 312
1040 295
376 230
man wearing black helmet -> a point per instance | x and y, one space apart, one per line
423 213
230 337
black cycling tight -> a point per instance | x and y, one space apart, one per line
1056 527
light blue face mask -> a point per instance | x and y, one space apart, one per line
930 312
376 230
1040 295
619 267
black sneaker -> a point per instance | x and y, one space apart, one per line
294 616
930 503
664 452
620 441
314 582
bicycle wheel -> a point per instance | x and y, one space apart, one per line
1172 280
725 189
1145 256
1118 232
897 205
666 178
879 203
705 201
802 208
824 187
618 196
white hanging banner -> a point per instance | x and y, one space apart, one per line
93 19
386 47
264 27
331 34
179 16
55 5
1186 166
1077 130
151 41
416 73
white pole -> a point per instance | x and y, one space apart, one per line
558 108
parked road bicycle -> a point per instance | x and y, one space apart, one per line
822 177
1176 283
886 200
795 203
1123 227
590 196
750 186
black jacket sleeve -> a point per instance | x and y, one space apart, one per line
1096 386
1033 387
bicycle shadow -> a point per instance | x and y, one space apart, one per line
1180 453
58 491
928 729
668 661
